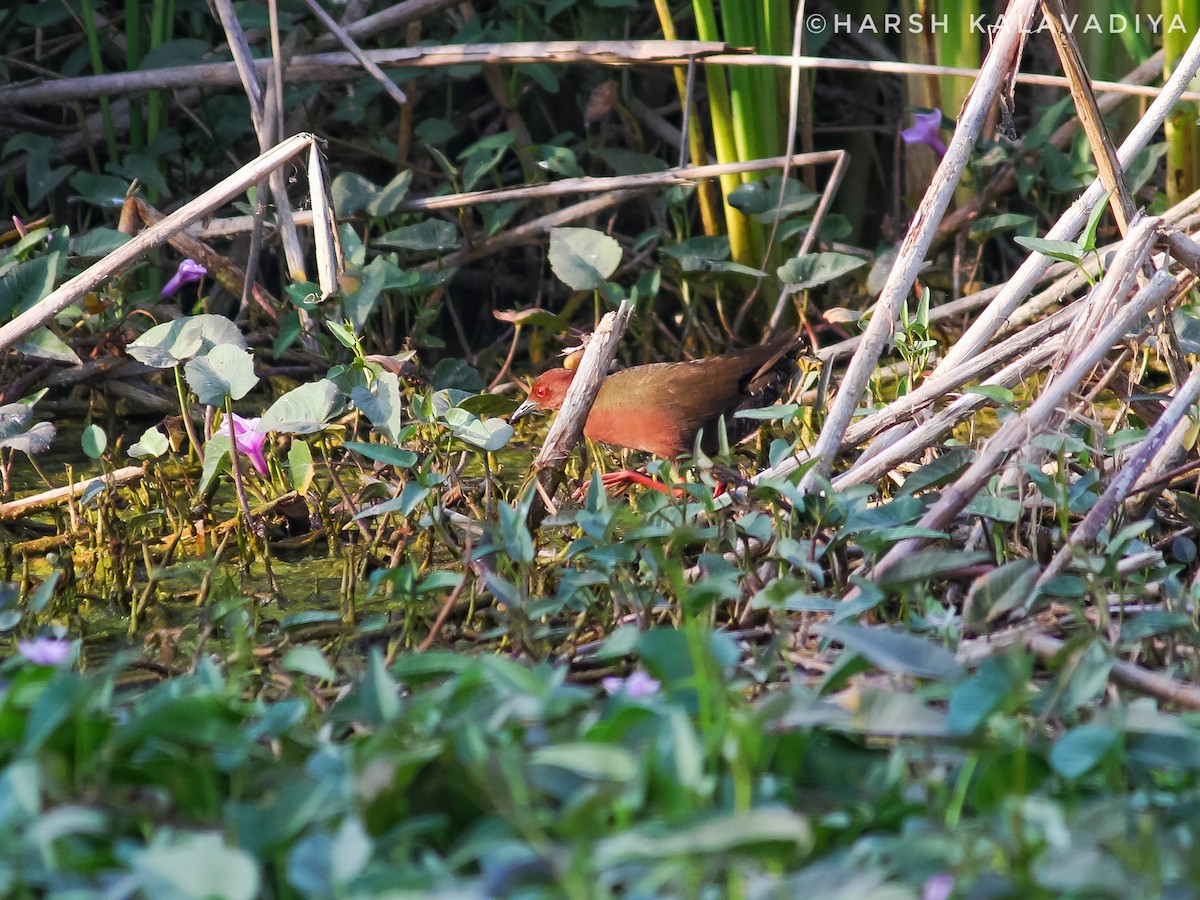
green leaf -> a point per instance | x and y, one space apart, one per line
98 242
353 193
1064 250
35 440
378 697
381 403
595 762
1087 240
769 829
480 162
780 412
391 195
40 179
486 434
986 691
518 542
582 258
1152 623
309 617
928 564
703 247
26 283
1081 749
940 471
300 466
95 441
105 191
1084 679
559 160
897 653
216 451
384 453
45 344
1000 591
1000 509
803 272
302 410
225 371
751 198
14 419
993 392
431 235
308 660
198 866
170 343
152 443
984 228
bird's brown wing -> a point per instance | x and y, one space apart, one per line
695 394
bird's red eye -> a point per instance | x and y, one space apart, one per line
540 390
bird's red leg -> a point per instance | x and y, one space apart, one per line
631 476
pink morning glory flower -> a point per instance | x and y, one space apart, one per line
639 684
189 270
44 651
250 442
924 130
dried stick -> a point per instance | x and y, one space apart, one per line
1120 486
1018 430
567 430
590 184
343 36
1069 225
1002 307
1001 59
1006 178
343 66
329 67
15 509
1112 176
1124 673
923 436
93 276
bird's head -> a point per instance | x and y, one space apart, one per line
548 392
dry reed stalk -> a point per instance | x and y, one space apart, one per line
567 429
1131 472
1005 179
1045 647
1000 61
1073 220
333 67
369 66
1112 176
590 184
15 509
1019 430
1004 306
92 277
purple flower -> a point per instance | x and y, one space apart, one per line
937 887
45 651
924 130
639 684
250 441
189 270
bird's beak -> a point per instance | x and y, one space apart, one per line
523 410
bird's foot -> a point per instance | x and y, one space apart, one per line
619 482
